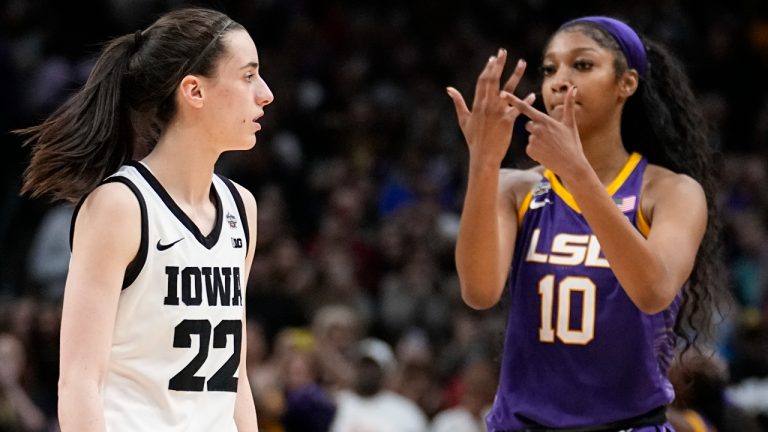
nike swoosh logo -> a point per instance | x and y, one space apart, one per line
539 204
162 247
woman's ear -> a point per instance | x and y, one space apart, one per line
628 83
191 91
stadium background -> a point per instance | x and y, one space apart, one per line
359 172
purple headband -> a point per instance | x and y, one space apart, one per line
628 40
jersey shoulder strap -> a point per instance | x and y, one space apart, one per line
240 207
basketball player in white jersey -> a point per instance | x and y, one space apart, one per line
153 326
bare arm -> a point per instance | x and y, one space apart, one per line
100 255
245 408
487 235
651 270
488 220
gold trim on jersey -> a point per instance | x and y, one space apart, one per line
566 196
642 223
524 207
695 421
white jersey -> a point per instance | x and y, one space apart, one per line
177 338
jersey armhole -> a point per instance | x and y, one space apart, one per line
240 208
642 223
524 207
134 267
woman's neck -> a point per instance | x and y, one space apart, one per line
184 167
606 153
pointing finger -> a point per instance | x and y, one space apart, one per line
569 114
513 112
530 99
525 107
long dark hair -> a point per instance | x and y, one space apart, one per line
663 122
125 104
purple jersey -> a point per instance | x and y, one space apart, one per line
577 352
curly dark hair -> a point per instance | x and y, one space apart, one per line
663 122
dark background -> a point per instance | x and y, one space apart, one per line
360 165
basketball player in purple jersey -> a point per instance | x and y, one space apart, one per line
607 246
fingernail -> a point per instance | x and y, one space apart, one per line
521 62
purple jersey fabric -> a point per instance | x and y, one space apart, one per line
577 352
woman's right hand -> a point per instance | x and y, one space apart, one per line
487 128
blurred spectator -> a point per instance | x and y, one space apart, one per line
412 296
416 377
49 254
265 375
751 396
749 349
477 385
748 384
336 330
287 389
17 410
701 401
370 406
309 406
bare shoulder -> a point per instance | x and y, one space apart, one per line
109 219
662 186
113 202
660 181
516 183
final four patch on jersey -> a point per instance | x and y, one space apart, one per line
542 188
232 220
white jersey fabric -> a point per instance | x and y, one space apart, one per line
177 338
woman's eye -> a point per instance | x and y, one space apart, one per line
249 77
582 65
547 70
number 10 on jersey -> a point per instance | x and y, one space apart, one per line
561 327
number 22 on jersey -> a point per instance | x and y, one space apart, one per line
224 379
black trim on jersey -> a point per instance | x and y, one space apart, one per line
208 241
73 220
654 417
134 267
240 208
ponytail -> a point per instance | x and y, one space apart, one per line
88 137
664 123
125 105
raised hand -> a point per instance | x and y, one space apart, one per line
487 128
553 143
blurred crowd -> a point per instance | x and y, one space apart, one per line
354 311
